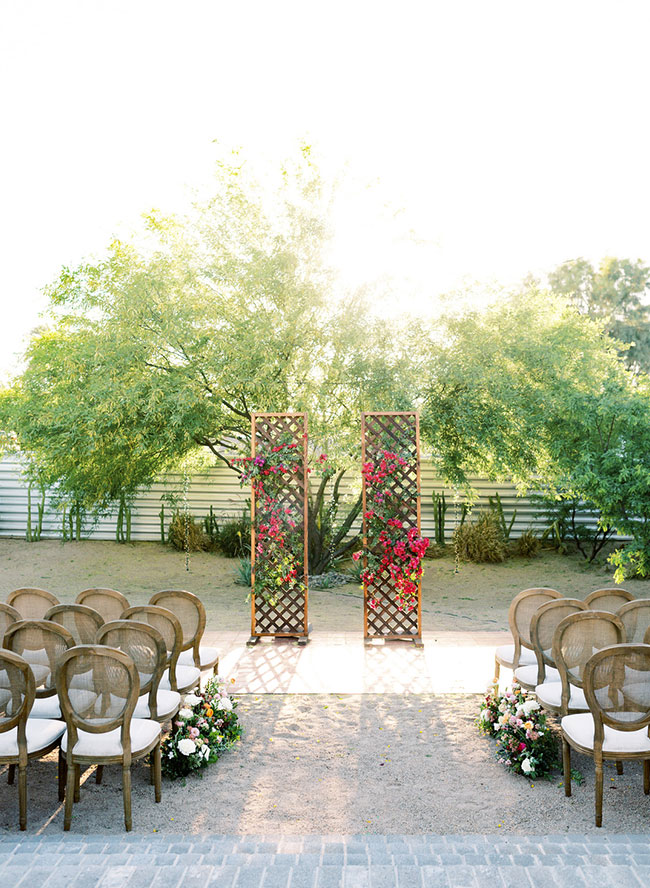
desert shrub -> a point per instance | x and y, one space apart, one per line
435 550
528 545
211 530
235 537
182 524
481 541
243 573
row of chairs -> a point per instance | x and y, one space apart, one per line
108 686
592 669
32 604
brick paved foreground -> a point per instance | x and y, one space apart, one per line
163 861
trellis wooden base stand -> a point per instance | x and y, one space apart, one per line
399 433
287 618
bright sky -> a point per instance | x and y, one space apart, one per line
513 135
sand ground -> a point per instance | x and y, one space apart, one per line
328 763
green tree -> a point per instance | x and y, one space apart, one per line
169 343
533 390
618 295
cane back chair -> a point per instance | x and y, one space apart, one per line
32 603
41 643
81 622
103 731
22 738
617 724
521 611
107 602
543 624
608 599
635 616
175 677
191 613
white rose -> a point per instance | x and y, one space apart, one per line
485 715
205 752
526 766
225 704
185 713
191 700
531 706
187 746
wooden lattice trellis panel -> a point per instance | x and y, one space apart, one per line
400 433
288 617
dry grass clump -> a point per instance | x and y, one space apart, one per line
182 524
481 541
528 545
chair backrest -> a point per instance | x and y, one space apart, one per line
616 682
608 599
41 643
167 624
32 603
146 647
521 612
545 621
190 611
576 640
16 696
81 622
635 616
98 688
107 602
8 615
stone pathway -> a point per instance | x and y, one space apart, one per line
311 861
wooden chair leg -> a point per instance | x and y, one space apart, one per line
599 792
22 795
566 764
69 797
646 776
63 774
497 671
77 782
11 774
215 668
126 792
619 767
99 773
157 771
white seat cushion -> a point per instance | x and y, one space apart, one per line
580 729
167 702
109 745
42 674
207 655
187 677
46 707
549 694
528 675
40 733
506 654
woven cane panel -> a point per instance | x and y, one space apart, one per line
289 615
398 434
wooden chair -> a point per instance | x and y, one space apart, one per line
635 616
81 622
8 615
32 603
146 647
103 731
21 737
41 643
107 602
521 611
608 599
175 678
616 726
191 614
574 641
545 621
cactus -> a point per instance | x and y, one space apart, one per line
440 506
497 506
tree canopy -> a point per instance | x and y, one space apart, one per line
617 293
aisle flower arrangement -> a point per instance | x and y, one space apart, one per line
204 727
392 547
278 529
526 744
